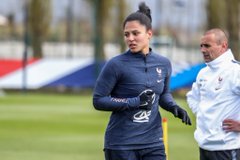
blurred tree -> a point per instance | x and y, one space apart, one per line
233 26
216 14
69 27
225 15
12 26
39 23
101 14
121 16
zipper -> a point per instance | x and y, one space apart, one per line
146 72
145 63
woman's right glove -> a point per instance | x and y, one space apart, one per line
147 98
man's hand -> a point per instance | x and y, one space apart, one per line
182 114
230 125
147 98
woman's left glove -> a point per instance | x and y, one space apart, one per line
182 114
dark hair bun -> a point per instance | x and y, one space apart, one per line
143 8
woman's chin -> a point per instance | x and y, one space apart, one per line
134 50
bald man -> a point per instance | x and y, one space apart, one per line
215 100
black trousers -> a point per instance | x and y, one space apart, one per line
220 155
141 154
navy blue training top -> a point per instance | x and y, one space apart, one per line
117 88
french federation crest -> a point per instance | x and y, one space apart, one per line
219 83
159 73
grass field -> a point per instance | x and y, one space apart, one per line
66 127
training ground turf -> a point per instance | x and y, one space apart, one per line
66 127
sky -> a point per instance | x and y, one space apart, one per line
180 13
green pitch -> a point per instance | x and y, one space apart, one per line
66 127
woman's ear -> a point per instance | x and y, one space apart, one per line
150 33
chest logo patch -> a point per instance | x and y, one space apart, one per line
159 73
219 82
141 116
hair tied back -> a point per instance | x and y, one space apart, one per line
143 8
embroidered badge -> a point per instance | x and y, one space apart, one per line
219 83
159 72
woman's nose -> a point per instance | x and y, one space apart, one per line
130 37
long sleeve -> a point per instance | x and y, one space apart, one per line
166 100
117 89
236 81
102 99
193 98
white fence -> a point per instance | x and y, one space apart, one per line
15 49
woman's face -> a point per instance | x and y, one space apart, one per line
137 37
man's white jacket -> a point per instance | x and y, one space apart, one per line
214 97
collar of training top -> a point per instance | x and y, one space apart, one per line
140 54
